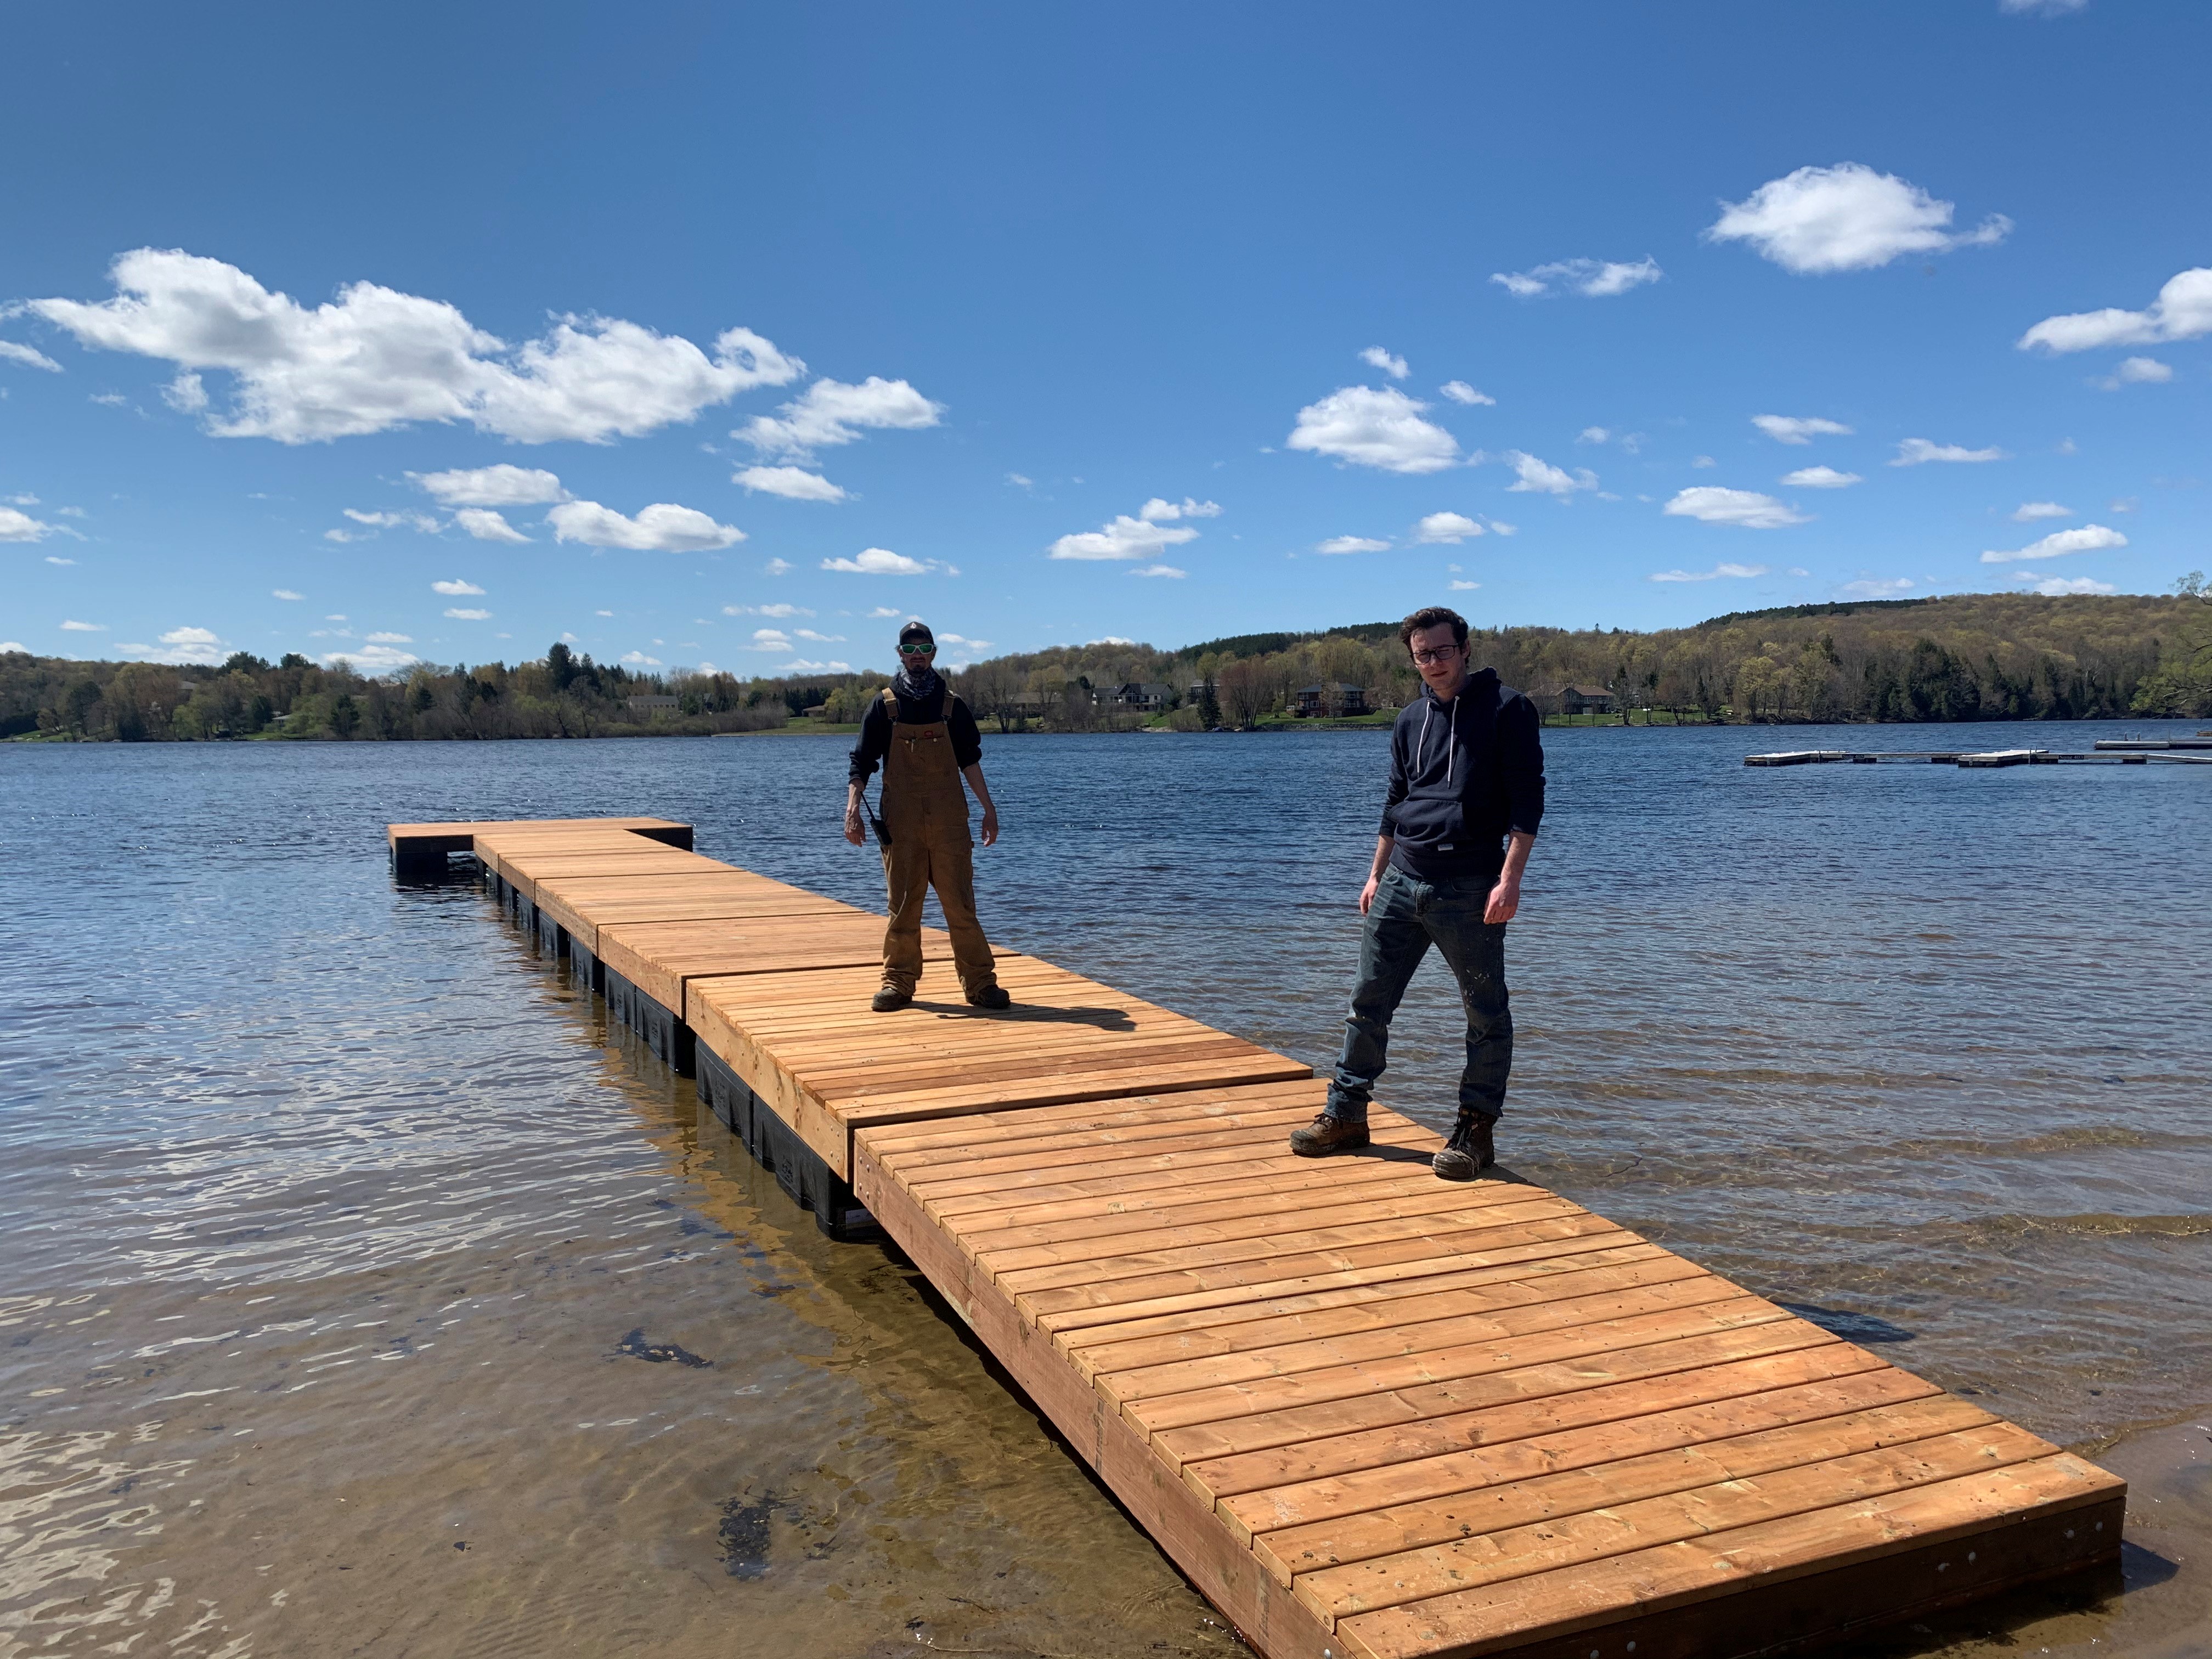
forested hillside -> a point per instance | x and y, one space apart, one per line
1988 656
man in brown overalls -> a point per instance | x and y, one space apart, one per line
926 741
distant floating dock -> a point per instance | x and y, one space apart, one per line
1371 1414
2112 751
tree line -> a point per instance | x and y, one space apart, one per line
1989 656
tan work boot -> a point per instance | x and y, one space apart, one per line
1326 1134
1469 1151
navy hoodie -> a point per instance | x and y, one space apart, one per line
1462 776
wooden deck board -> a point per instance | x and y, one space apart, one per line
1369 1412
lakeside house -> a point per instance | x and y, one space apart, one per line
1147 699
1338 699
1570 700
641 705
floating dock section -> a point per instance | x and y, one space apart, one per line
1366 1412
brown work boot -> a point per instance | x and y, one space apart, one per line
989 996
1326 1134
1469 1151
890 999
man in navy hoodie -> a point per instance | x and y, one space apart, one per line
1467 791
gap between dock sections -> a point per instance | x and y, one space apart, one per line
1366 1412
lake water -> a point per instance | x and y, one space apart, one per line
363 1292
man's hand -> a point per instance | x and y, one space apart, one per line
1367 893
1504 901
853 831
990 825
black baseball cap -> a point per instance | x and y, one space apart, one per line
916 631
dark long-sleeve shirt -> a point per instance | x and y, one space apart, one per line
1463 775
941 705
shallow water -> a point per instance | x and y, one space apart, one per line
363 1292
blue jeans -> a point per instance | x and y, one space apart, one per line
1408 917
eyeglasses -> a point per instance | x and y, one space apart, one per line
917 650
1443 654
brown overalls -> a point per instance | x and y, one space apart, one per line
926 812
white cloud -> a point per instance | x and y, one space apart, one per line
72 512
1020 482
804 665
1873 588
2137 371
391 639
1747 509
1715 573
771 639
836 639
1157 511
1465 587
1917 452
183 647
664 527
602 613
375 359
84 627
882 561
13 351
334 619
2054 587
1544 479
23 498
1595 279
779 567
1701 462
960 640
1376 357
417 521
1821 477
641 658
1351 544
1368 427
831 412
1847 217
1592 434
502 485
454 590
373 659
186 394
2086 538
1799 429
1497 528
460 614
1159 570
1125 537
284 593
52 558
1451 528
20 526
885 611
488 525
2183 311
2041 8
13 645
1461 393
2028 511
793 484
778 610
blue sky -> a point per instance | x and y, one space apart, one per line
728 335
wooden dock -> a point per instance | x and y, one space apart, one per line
2112 752
1366 1412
